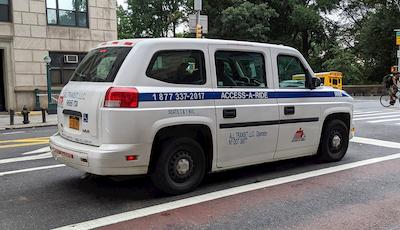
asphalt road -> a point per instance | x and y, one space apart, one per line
362 197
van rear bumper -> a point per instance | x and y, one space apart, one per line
107 159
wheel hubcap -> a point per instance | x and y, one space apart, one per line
183 166
336 141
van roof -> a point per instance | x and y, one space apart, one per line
149 41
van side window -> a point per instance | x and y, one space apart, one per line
240 69
292 73
178 67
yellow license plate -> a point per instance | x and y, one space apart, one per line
74 122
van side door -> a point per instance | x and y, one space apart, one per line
246 119
299 105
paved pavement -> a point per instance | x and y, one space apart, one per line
359 192
35 119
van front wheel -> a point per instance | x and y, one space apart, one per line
180 167
334 142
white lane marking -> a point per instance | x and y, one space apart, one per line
376 114
366 112
370 141
26 158
370 118
220 194
31 169
41 150
15 132
384 120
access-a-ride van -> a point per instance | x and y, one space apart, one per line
176 109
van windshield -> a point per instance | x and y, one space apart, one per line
101 65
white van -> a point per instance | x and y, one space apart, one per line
179 108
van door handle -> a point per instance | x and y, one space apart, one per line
229 113
288 110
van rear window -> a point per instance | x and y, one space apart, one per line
101 65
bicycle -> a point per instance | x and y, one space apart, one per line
385 98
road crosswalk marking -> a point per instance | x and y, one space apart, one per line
370 141
25 158
384 120
378 117
366 112
31 169
375 114
41 150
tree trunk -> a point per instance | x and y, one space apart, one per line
306 44
174 29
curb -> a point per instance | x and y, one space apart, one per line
31 113
38 125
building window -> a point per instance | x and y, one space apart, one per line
4 10
67 12
63 66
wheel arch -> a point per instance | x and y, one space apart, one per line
200 132
343 116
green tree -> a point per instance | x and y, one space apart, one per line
124 27
297 23
301 23
151 18
376 42
247 21
345 61
370 37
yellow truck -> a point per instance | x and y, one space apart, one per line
332 78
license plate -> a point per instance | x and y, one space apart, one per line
74 122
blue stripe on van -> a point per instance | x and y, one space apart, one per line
234 95
300 94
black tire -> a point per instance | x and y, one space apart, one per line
336 131
385 100
190 155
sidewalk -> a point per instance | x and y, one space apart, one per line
35 119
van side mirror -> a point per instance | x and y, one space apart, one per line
315 82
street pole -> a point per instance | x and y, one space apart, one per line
51 107
197 18
48 84
197 8
398 59
397 31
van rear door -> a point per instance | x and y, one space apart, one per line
81 99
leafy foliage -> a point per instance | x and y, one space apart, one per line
151 18
244 18
360 44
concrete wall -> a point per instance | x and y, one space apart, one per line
364 90
31 40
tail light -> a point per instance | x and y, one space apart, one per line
121 97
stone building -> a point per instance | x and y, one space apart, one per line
63 29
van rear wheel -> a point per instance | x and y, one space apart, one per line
334 142
180 167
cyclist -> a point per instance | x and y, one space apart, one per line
393 80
